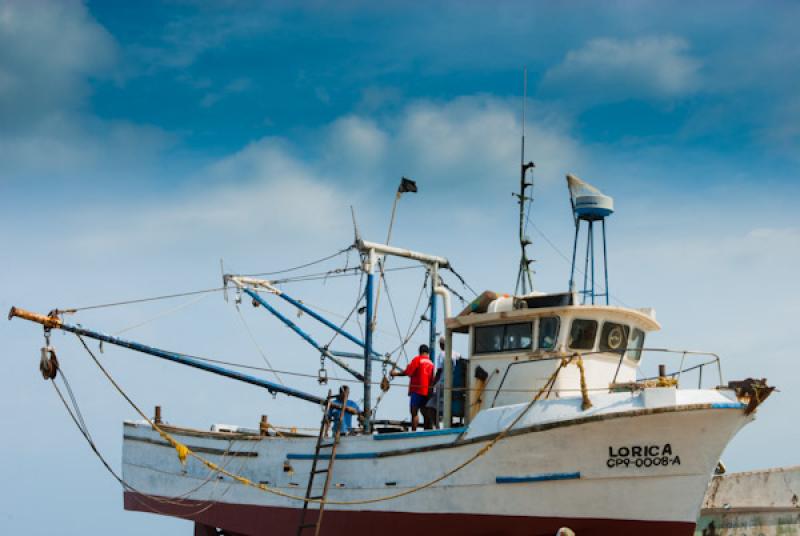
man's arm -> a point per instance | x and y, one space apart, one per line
409 369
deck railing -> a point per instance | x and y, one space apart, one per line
711 359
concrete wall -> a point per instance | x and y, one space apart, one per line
758 503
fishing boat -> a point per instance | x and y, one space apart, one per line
546 424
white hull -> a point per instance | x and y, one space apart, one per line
643 457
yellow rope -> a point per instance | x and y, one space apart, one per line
183 451
584 391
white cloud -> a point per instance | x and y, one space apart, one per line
355 146
477 139
48 51
273 184
615 69
259 191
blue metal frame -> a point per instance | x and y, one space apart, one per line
308 338
367 352
589 292
317 316
605 259
192 362
359 356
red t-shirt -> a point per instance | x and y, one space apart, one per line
420 372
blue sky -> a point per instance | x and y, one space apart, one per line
142 142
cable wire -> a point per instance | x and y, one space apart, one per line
306 265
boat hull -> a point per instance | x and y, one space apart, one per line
251 520
618 470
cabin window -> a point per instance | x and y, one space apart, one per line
503 338
635 344
548 332
582 334
614 337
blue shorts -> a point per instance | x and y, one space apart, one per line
417 401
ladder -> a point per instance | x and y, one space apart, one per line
327 470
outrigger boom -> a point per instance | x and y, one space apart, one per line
370 252
53 322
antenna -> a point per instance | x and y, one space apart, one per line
590 205
525 274
355 225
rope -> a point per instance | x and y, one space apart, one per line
139 300
394 315
456 294
258 347
584 391
77 418
461 278
185 452
162 314
306 265
334 274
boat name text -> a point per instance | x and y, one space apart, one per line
642 456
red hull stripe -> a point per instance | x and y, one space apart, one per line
251 520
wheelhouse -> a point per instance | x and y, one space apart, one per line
516 343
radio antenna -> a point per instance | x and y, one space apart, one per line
525 274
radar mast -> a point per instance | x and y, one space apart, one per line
525 274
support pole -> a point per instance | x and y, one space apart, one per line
432 346
605 258
586 265
448 378
368 325
591 234
574 254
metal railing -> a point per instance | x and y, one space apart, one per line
713 359
682 369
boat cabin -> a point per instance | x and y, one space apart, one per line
515 344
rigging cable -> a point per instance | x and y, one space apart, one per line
306 265
139 300
568 261
462 280
77 418
255 343
160 315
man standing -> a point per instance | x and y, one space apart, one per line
435 405
420 373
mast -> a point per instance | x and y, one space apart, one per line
524 275
369 267
370 252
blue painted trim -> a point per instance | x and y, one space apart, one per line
424 433
727 405
536 478
346 456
